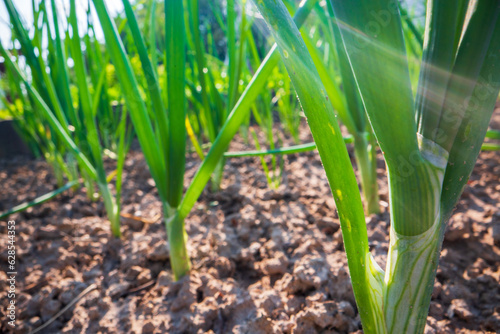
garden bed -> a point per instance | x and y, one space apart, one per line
264 261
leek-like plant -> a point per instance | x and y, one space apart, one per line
56 106
428 165
22 108
216 104
347 103
162 133
34 129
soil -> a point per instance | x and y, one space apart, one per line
264 261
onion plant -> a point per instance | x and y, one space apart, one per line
33 130
351 112
216 98
73 126
332 64
19 106
278 95
430 143
161 131
162 138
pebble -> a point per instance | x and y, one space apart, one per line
104 303
35 322
328 225
346 308
322 315
47 233
70 272
148 327
458 228
160 252
95 248
133 272
134 224
274 266
224 267
164 279
49 309
118 289
436 310
67 296
460 309
94 313
144 276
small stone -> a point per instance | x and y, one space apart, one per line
437 289
35 322
310 272
67 225
94 313
66 296
272 194
224 267
160 252
477 268
436 310
70 272
104 303
133 272
459 291
254 247
77 322
328 225
294 304
92 273
47 233
443 327
274 266
87 211
92 298
134 223
458 228
314 298
144 276
378 234
148 327
493 322
118 289
164 279
148 309
49 309
321 315
33 306
460 309
269 300
346 308
95 248
296 222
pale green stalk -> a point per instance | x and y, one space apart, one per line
176 62
417 176
333 153
90 124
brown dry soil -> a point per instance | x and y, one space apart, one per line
265 261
